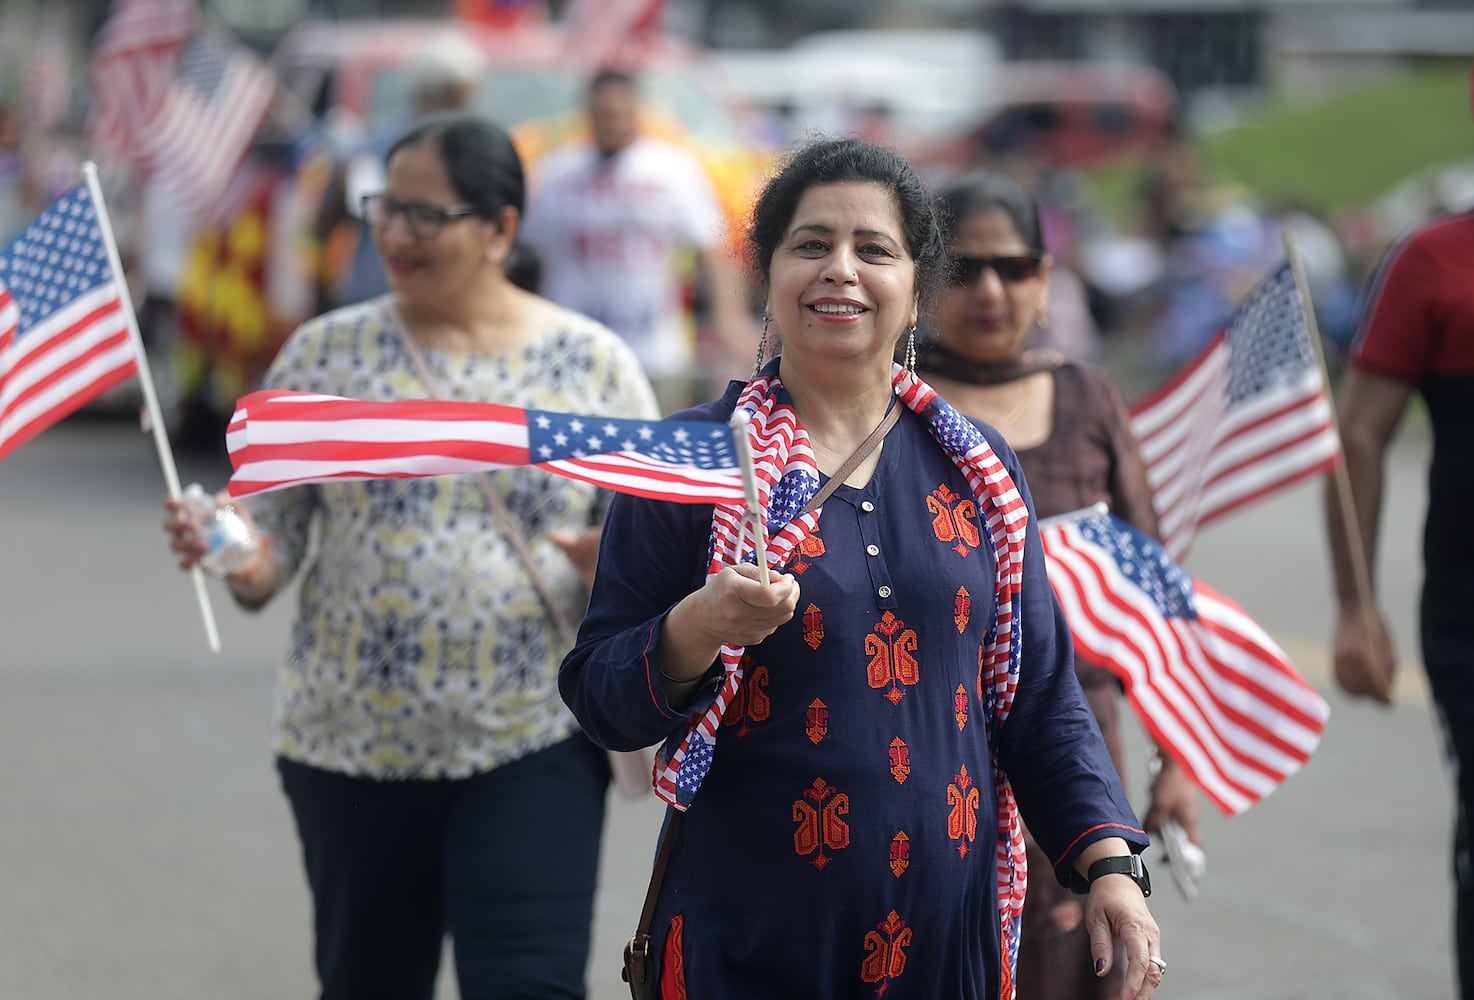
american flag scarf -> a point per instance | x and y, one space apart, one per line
787 477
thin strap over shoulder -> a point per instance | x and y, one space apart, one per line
856 457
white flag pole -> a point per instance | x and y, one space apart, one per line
150 397
754 516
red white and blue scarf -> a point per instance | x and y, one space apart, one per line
787 477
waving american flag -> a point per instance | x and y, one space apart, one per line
64 336
1207 681
282 439
1248 417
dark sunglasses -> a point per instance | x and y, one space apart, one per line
1010 270
425 220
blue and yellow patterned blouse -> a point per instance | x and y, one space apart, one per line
420 648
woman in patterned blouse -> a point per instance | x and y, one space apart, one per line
439 784
853 732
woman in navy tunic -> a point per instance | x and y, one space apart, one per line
848 739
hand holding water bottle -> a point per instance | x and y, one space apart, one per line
213 533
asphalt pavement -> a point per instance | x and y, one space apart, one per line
147 854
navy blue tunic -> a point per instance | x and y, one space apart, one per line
844 841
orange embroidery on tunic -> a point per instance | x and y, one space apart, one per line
887 946
813 625
890 647
900 854
809 549
963 605
821 824
673 961
954 518
959 706
900 760
962 820
751 703
816 722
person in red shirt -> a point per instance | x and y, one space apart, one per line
1417 335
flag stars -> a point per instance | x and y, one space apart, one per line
576 426
543 422
646 433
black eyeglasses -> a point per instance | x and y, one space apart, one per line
1010 270
425 220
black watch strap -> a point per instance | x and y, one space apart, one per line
1129 865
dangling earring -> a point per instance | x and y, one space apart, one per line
911 348
1041 318
762 348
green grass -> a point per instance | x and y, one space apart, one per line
1352 147
1340 151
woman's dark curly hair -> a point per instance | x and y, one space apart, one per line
838 161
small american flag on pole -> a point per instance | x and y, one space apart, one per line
64 337
1209 684
1248 417
209 116
281 439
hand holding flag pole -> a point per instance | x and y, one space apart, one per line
753 506
150 397
1350 521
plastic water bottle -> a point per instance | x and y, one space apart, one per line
229 541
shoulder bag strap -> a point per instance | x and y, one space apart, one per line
857 456
503 517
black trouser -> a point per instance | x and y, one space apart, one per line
1450 663
506 863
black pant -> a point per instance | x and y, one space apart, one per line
506 863
1450 663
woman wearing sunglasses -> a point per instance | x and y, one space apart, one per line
439 785
1069 426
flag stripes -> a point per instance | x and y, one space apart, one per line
281 439
133 65
1210 685
209 115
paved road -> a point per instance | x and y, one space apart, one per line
146 854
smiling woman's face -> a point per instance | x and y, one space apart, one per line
841 284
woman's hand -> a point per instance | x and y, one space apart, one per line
732 607
1116 910
253 581
1174 796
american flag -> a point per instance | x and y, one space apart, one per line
64 336
1248 417
610 34
281 439
208 117
1209 684
133 66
